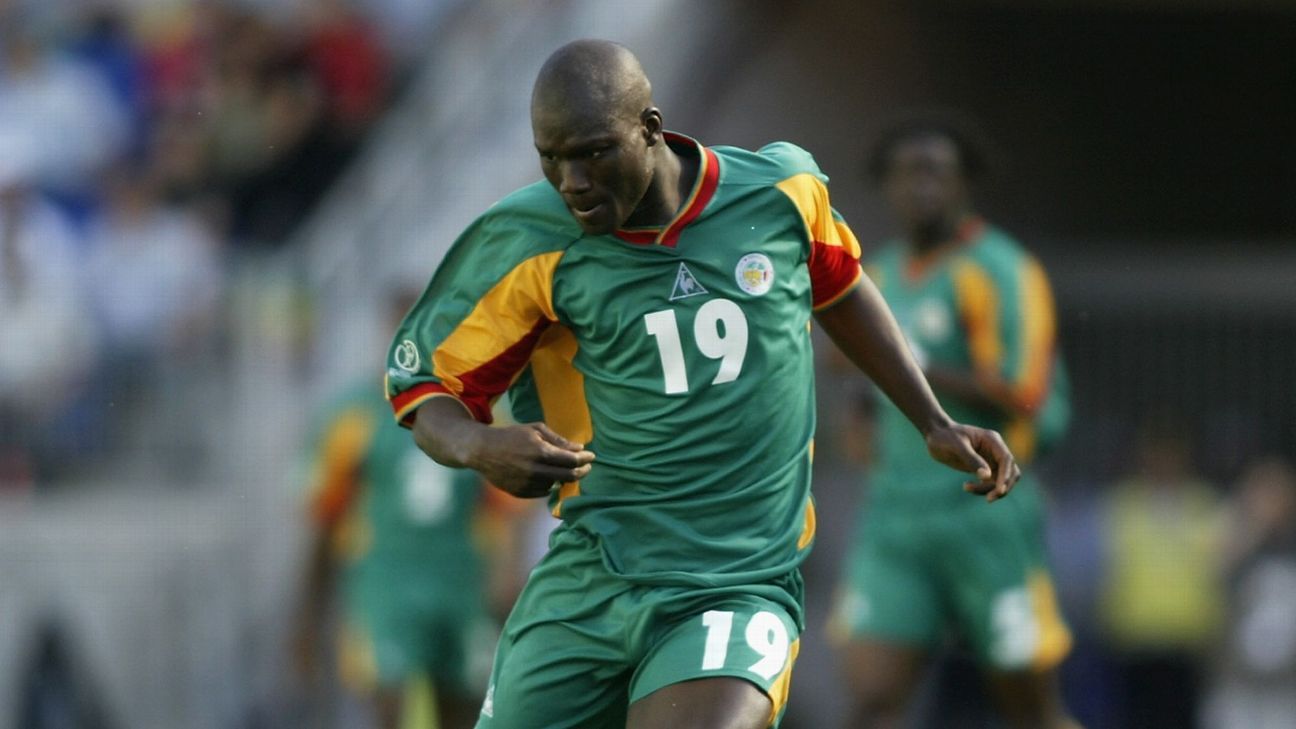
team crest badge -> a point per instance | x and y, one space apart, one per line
407 356
755 274
686 285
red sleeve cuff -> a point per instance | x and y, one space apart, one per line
833 272
405 404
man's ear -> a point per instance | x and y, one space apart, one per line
651 121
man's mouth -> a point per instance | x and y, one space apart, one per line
587 213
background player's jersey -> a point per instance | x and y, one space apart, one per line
680 354
401 514
986 308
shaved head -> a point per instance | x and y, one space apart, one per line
593 76
599 136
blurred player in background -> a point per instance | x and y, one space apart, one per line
661 293
978 313
405 536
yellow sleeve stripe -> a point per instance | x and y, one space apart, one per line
561 386
342 452
1039 327
810 196
502 318
848 239
979 301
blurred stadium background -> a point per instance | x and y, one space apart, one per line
202 201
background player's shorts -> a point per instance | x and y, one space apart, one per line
394 634
583 644
977 568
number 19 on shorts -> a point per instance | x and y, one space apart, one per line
765 634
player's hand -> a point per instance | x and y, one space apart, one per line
977 451
526 460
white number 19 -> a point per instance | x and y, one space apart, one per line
765 634
729 346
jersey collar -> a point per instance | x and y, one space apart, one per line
704 187
969 230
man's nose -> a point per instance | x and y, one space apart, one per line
574 178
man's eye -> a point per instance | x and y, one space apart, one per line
548 158
598 153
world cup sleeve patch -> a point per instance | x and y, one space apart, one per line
407 356
755 274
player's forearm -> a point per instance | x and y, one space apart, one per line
966 388
981 392
447 433
863 327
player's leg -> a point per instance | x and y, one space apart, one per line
557 676
1007 609
372 667
562 661
888 618
1030 699
459 642
707 703
883 677
716 662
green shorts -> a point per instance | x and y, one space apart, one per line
395 629
582 643
976 569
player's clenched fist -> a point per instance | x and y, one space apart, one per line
526 460
977 451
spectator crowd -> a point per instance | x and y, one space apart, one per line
143 146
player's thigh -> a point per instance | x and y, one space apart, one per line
557 676
706 703
375 650
1003 594
882 676
749 639
889 595
457 643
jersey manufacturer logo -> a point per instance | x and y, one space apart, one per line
686 285
407 356
755 274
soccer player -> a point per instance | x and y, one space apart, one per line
978 313
397 528
658 294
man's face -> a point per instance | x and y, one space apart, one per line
599 163
924 182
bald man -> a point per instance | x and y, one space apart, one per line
654 295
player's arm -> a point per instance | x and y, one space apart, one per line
337 484
524 460
1011 326
852 312
862 326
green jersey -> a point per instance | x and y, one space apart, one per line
983 307
398 511
681 355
